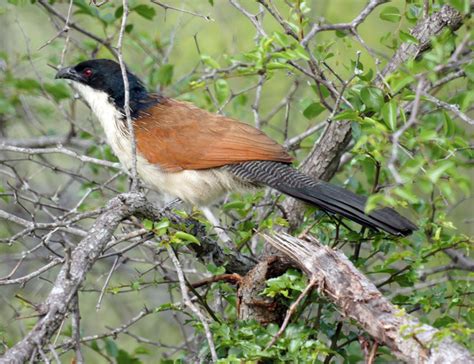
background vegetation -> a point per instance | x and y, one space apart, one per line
410 148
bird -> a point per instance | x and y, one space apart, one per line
197 156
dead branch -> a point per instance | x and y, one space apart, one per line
358 299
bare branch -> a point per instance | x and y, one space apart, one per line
166 7
188 302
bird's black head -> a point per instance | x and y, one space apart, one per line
105 75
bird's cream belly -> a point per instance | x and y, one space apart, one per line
199 188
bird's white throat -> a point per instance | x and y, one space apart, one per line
111 120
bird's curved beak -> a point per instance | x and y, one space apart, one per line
67 73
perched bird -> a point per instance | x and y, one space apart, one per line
198 156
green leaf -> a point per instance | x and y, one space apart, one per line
313 110
165 74
399 82
406 193
148 224
469 71
372 97
282 39
348 115
436 172
186 237
234 205
321 90
449 127
408 38
389 114
94 346
27 84
208 60
84 8
163 224
118 12
391 14
214 269
58 90
125 358
145 11
278 66
111 347
222 90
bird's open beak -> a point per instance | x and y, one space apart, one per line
68 73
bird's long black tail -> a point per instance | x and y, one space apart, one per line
326 196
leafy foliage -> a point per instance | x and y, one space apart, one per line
411 149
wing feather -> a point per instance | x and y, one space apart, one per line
180 136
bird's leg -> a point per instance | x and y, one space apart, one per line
220 231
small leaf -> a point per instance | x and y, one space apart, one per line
313 110
449 127
347 115
372 97
214 269
278 66
186 237
27 84
163 224
208 60
119 12
111 347
145 11
391 14
389 114
234 205
222 90
399 83
57 90
436 172
147 224
408 38
282 39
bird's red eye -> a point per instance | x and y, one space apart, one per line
87 72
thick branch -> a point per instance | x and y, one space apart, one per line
447 17
358 299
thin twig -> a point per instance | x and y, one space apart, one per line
188 302
292 309
106 283
166 7
126 106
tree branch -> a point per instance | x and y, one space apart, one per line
357 298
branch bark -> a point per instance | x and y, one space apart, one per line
358 299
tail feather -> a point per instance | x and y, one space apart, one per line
326 196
